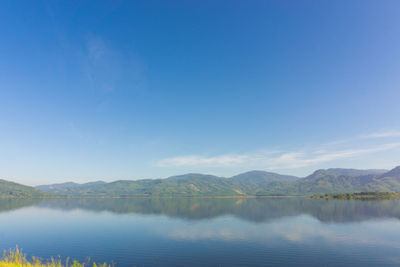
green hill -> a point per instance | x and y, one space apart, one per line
254 183
183 185
14 190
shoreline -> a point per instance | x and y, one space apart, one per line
132 197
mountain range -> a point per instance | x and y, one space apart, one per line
253 183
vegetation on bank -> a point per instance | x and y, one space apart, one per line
375 195
15 258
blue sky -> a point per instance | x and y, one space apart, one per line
146 89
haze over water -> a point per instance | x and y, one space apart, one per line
215 232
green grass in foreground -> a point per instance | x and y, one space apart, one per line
15 258
374 195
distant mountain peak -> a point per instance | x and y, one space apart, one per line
395 173
191 176
396 169
257 172
263 177
344 172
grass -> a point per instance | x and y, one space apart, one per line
15 258
370 195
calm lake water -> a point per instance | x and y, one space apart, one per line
213 232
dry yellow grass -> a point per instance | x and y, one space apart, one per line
15 258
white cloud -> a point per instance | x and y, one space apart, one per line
383 134
302 159
276 160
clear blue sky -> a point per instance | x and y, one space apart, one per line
145 89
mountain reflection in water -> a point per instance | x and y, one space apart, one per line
249 209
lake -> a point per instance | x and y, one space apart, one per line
205 231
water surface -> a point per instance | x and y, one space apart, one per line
214 232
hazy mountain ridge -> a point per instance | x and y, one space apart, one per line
65 187
253 183
263 177
346 172
394 173
335 180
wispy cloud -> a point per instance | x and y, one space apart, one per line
107 68
103 64
302 159
276 160
382 134
375 135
